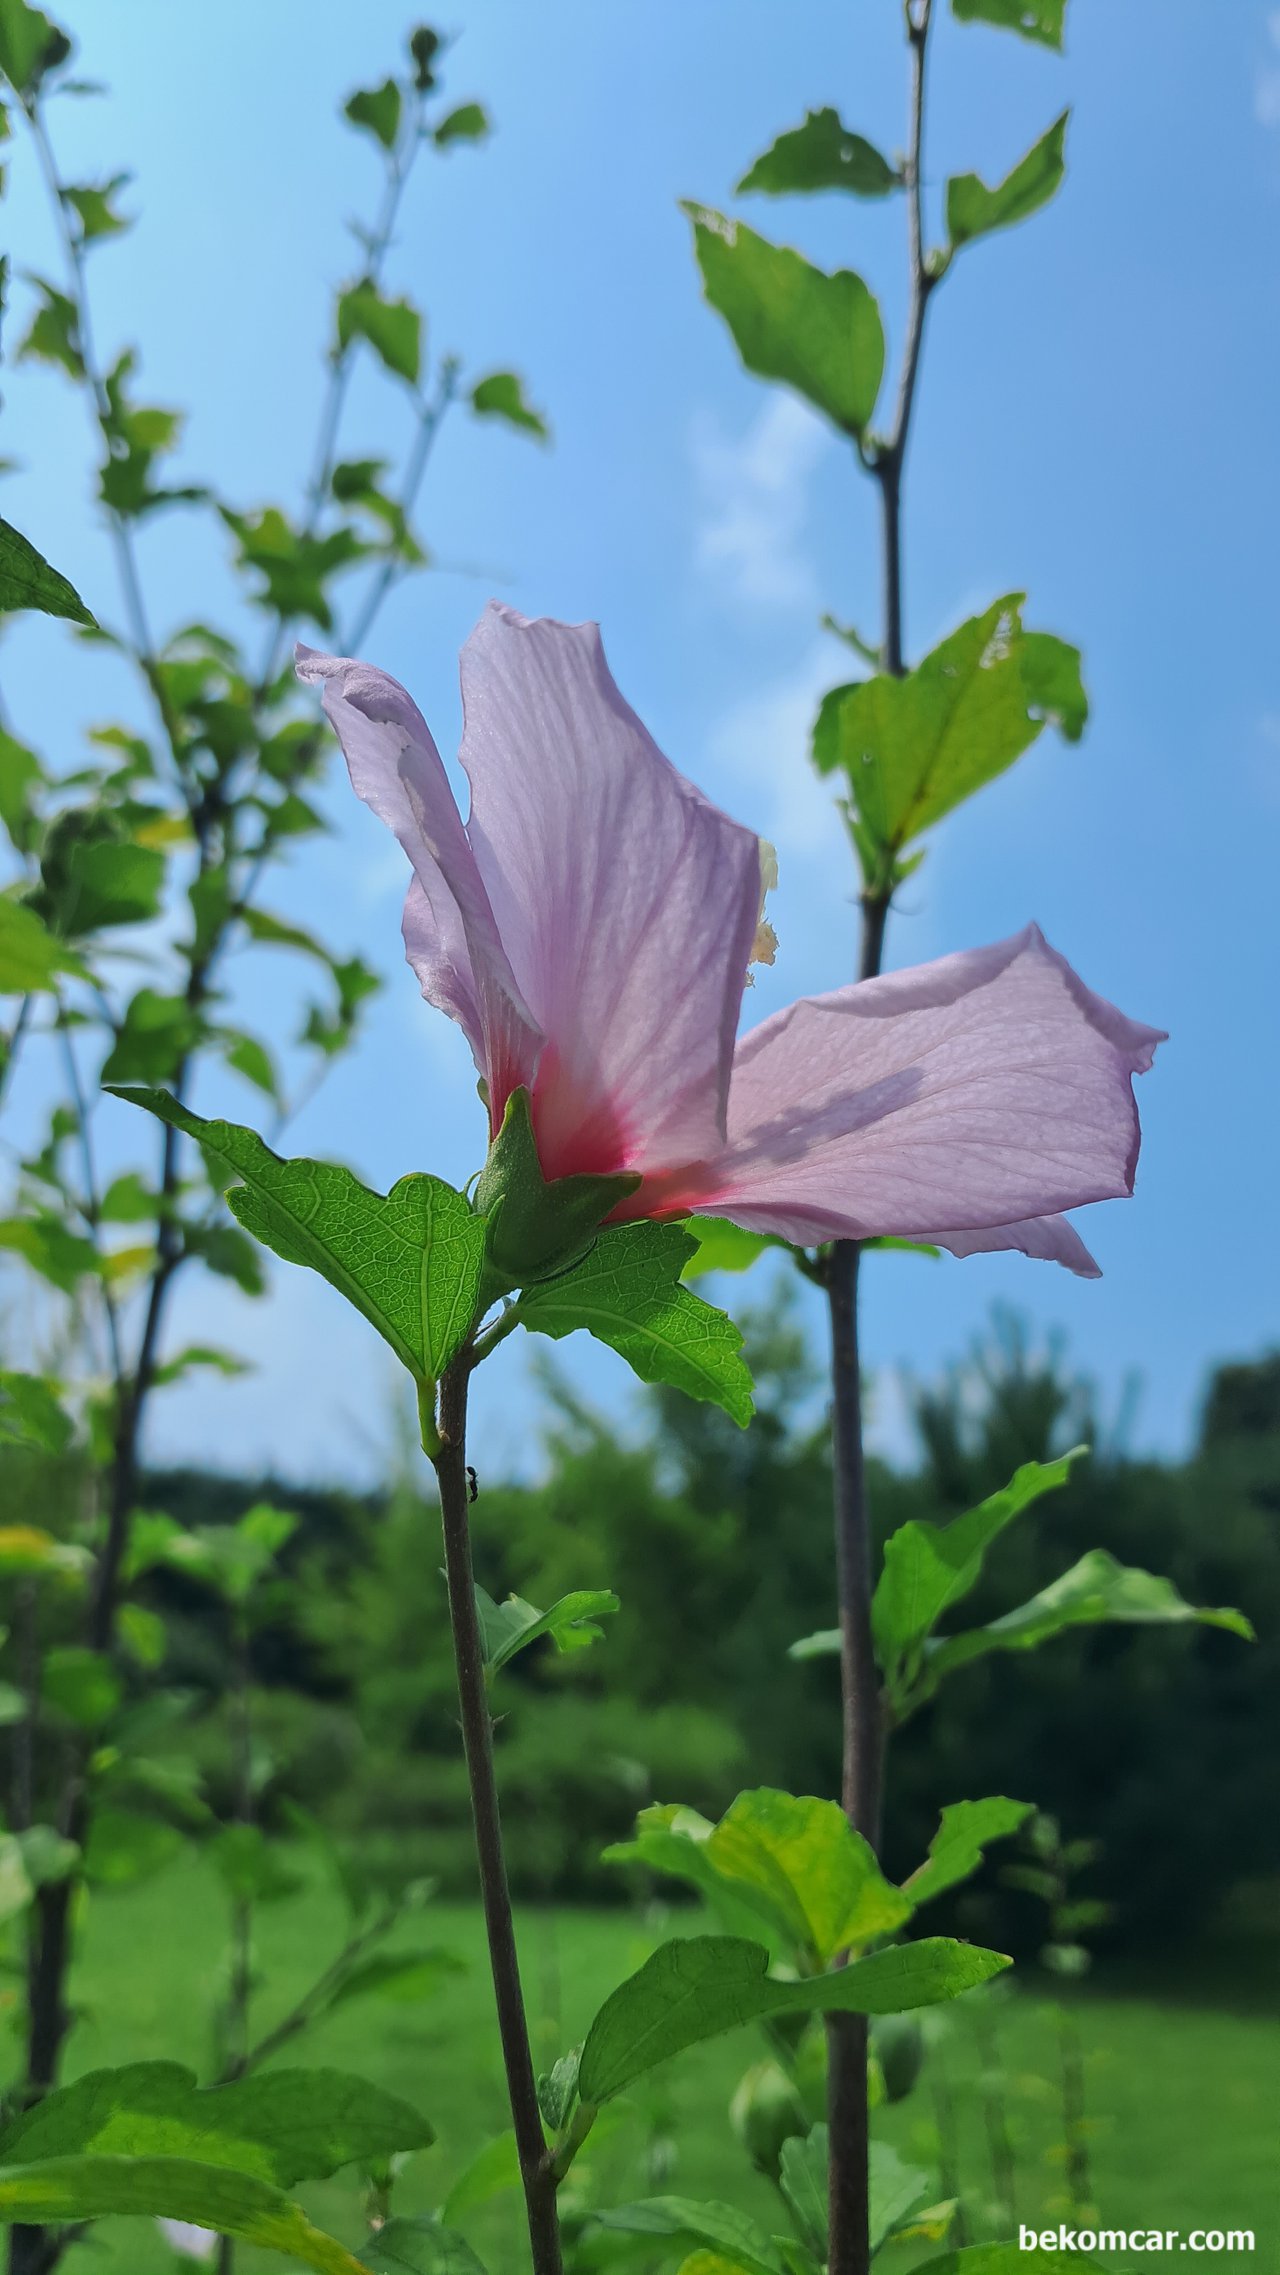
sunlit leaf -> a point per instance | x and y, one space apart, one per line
31 957
627 1292
410 1261
723 1247
818 333
913 748
572 1622
76 2188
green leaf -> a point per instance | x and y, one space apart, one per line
912 748
572 1622
124 1847
896 2190
927 1568
803 2181
92 206
30 45
698 1988
627 1293
154 1037
30 955
53 335
961 1841
81 1685
393 328
27 581
22 777
1007 2258
797 1863
1096 1590
60 1256
721 2225
250 1867
1035 19
502 396
281 2126
163 2187
973 210
253 1060
31 1415
817 333
410 1261
468 123
419 2247
295 568
93 874
377 109
723 1247
821 155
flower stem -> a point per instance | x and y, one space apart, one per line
863 1725
536 2176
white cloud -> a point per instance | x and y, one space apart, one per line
1266 89
753 503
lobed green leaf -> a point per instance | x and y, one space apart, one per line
502 396
409 1261
961 1842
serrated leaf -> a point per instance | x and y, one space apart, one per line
818 333
913 748
409 1261
27 581
697 1989
377 109
722 2226
31 956
502 396
961 1842
168 2187
823 154
468 123
973 210
1094 1591
794 1861
928 1568
281 2126
393 328
1039 20
572 1622
627 1293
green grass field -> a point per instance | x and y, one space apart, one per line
1183 2096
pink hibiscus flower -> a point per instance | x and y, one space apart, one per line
590 927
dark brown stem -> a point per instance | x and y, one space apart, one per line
863 1723
477 1738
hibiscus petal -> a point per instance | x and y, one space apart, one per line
626 901
983 1092
451 938
1052 1239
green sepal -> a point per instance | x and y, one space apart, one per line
534 1226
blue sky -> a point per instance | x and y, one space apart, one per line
1096 426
